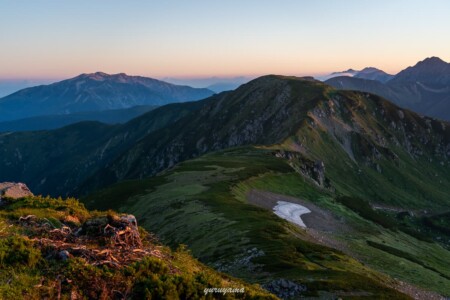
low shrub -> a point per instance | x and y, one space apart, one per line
16 251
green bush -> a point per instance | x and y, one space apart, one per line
16 251
155 281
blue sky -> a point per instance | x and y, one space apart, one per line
59 39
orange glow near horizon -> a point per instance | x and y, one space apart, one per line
206 68
48 39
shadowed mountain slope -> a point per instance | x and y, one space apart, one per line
423 88
112 116
55 162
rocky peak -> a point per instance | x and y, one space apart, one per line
346 73
434 60
431 70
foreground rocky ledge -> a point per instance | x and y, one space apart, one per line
14 190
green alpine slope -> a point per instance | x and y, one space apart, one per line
213 205
375 177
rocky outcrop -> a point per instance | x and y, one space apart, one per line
242 262
285 289
14 190
313 170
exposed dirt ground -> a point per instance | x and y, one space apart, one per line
321 224
318 219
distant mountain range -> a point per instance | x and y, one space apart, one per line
112 116
9 86
94 92
423 88
215 84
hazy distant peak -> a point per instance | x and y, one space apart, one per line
432 60
95 92
101 76
366 73
370 69
349 71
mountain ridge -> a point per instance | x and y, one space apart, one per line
276 121
431 70
266 108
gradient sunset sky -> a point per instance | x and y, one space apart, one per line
60 39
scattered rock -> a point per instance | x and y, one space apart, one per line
72 220
28 219
285 289
118 238
94 226
130 219
313 170
241 262
64 255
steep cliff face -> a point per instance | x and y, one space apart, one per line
313 170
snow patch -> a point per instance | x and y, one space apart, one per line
291 212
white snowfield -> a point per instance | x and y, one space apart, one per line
291 212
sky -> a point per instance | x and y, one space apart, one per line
44 39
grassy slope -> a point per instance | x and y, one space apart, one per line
201 203
28 273
431 273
